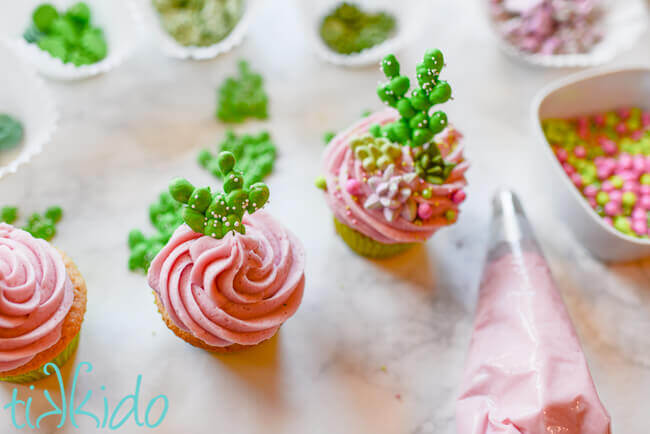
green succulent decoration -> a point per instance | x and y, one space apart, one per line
216 214
242 97
11 132
430 166
375 152
416 126
255 155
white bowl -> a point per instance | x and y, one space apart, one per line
118 20
23 94
624 22
409 21
171 48
580 94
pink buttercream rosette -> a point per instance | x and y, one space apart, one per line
341 166
36 294
235 290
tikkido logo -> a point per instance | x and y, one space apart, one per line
70 410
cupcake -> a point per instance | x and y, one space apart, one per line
231 275
397 176
42 305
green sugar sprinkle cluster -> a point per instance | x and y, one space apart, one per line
255 155
242 97
69 36
430 166
11 132
165 216
216 214
199 22
39 225
416 126
348 29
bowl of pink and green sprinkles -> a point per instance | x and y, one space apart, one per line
71 40
595 127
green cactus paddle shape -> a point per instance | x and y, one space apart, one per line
216 214
417 125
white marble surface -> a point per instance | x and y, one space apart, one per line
375 347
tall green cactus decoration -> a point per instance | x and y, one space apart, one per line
216 214
416 126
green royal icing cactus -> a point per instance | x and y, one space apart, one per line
216 214
416 126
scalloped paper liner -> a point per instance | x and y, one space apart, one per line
171 48
25 96
624 23
366 246
119 20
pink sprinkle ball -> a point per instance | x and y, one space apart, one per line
640 227
607 186
568 168
645 119
644 190
624 113
561 154
353 186
580 152
615 196
638 214
644 202
458 197
590 191
425 211
592 202
631 186
576 179
608 220
612 209
621 128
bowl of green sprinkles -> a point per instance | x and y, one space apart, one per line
361 32
28 116
198 29
71 39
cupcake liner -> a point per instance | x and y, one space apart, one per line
366 246
118 19
24 95
39 373
408 14
171 48
624 22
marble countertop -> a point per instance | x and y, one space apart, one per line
376 347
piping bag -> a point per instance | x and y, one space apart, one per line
525 370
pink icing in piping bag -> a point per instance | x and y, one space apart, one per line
525 371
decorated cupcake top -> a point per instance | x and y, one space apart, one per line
397 176
35 296
231 274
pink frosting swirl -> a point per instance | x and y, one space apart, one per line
341 166
35 296
234 290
